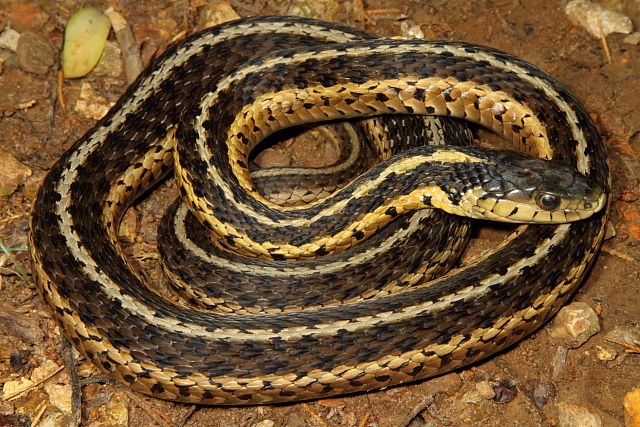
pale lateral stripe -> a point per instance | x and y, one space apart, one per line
583 162
400 167
209 99
355 324
284 271
80 155
419 309
202 150
112 289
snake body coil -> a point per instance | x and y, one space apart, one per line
228 103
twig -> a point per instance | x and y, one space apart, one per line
416 411
96 379
145 256
157 416
178 36
315 415
34 385
619 254
183 420
8 272
130 51
628 348
605 46
10 217
54 92
38 417
364 419
60 90
76 389
114 4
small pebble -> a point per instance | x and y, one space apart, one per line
605 353
572 415
25 16
472 397
12 173
597 20
505 391
34 52
633 38
574 325
468 374
115 412
628 336
90 104
8 60
59 396
559 362
448 384
632 408
110 63
540 391
9 39
485 388
214 13
411 30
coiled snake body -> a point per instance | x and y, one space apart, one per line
228 103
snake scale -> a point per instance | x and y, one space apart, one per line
219 93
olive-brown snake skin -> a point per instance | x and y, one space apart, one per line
226 89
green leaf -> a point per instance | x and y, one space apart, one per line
84 40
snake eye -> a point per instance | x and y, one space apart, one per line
548 202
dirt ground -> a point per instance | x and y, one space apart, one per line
551 382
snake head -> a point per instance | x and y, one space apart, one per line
532 190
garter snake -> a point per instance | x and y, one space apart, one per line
227 103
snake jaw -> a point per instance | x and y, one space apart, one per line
533 190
